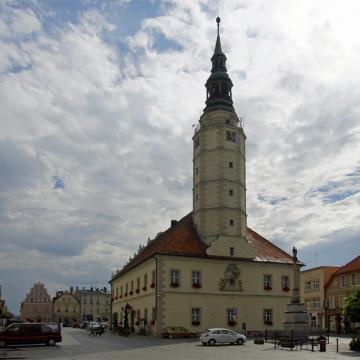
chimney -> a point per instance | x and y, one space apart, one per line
173 223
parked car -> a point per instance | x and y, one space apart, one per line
220 335
93 325
177 331
30 333
83 325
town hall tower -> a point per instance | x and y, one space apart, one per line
219 187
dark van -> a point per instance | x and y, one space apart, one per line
30 333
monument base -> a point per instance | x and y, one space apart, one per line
296 319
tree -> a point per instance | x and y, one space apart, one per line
352 305
7 314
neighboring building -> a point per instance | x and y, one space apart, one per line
312 292
340 285
209 269
94 304
66 308
37 305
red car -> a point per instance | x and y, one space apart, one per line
30 333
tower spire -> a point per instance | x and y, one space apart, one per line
219 84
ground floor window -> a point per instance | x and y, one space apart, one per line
231 316
268 316
195 316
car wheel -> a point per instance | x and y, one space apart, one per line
3 343
170 336
51 342
212 342
239 341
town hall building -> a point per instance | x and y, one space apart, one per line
209 269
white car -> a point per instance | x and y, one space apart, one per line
220 335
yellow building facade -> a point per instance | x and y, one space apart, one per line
312 293
209 269
66 308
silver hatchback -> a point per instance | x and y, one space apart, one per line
221 336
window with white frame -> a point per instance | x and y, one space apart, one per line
196 278
285 283
316 303
267 281
145 280
268 316
231 315
343 281
342 300
195 314
308 286
353 279
174 277
316 284
332 304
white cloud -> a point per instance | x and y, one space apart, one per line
116 127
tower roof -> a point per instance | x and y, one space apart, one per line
219 83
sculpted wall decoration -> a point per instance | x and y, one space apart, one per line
231 280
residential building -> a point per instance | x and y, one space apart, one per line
312 292
37 305
94 303
66 309
339 286
209 269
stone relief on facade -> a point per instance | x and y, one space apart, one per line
231 280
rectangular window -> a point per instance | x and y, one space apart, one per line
231 192
232 251
285 284
138 284
195 315
66 309
196 278
231 222
197 170
267 282
268 316
231 316
121 291
332 304
316 284
343 281
353 279
231 165
132 286
308 286
342 300
316 304
153 314
145 280
174 278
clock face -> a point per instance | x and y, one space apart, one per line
231 136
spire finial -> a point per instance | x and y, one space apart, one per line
218 23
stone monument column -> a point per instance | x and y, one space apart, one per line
296 317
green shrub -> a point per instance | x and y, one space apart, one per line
355 344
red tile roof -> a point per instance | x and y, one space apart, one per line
265 250
183 239
353 265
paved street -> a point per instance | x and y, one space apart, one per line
77 345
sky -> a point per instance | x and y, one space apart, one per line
97 106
